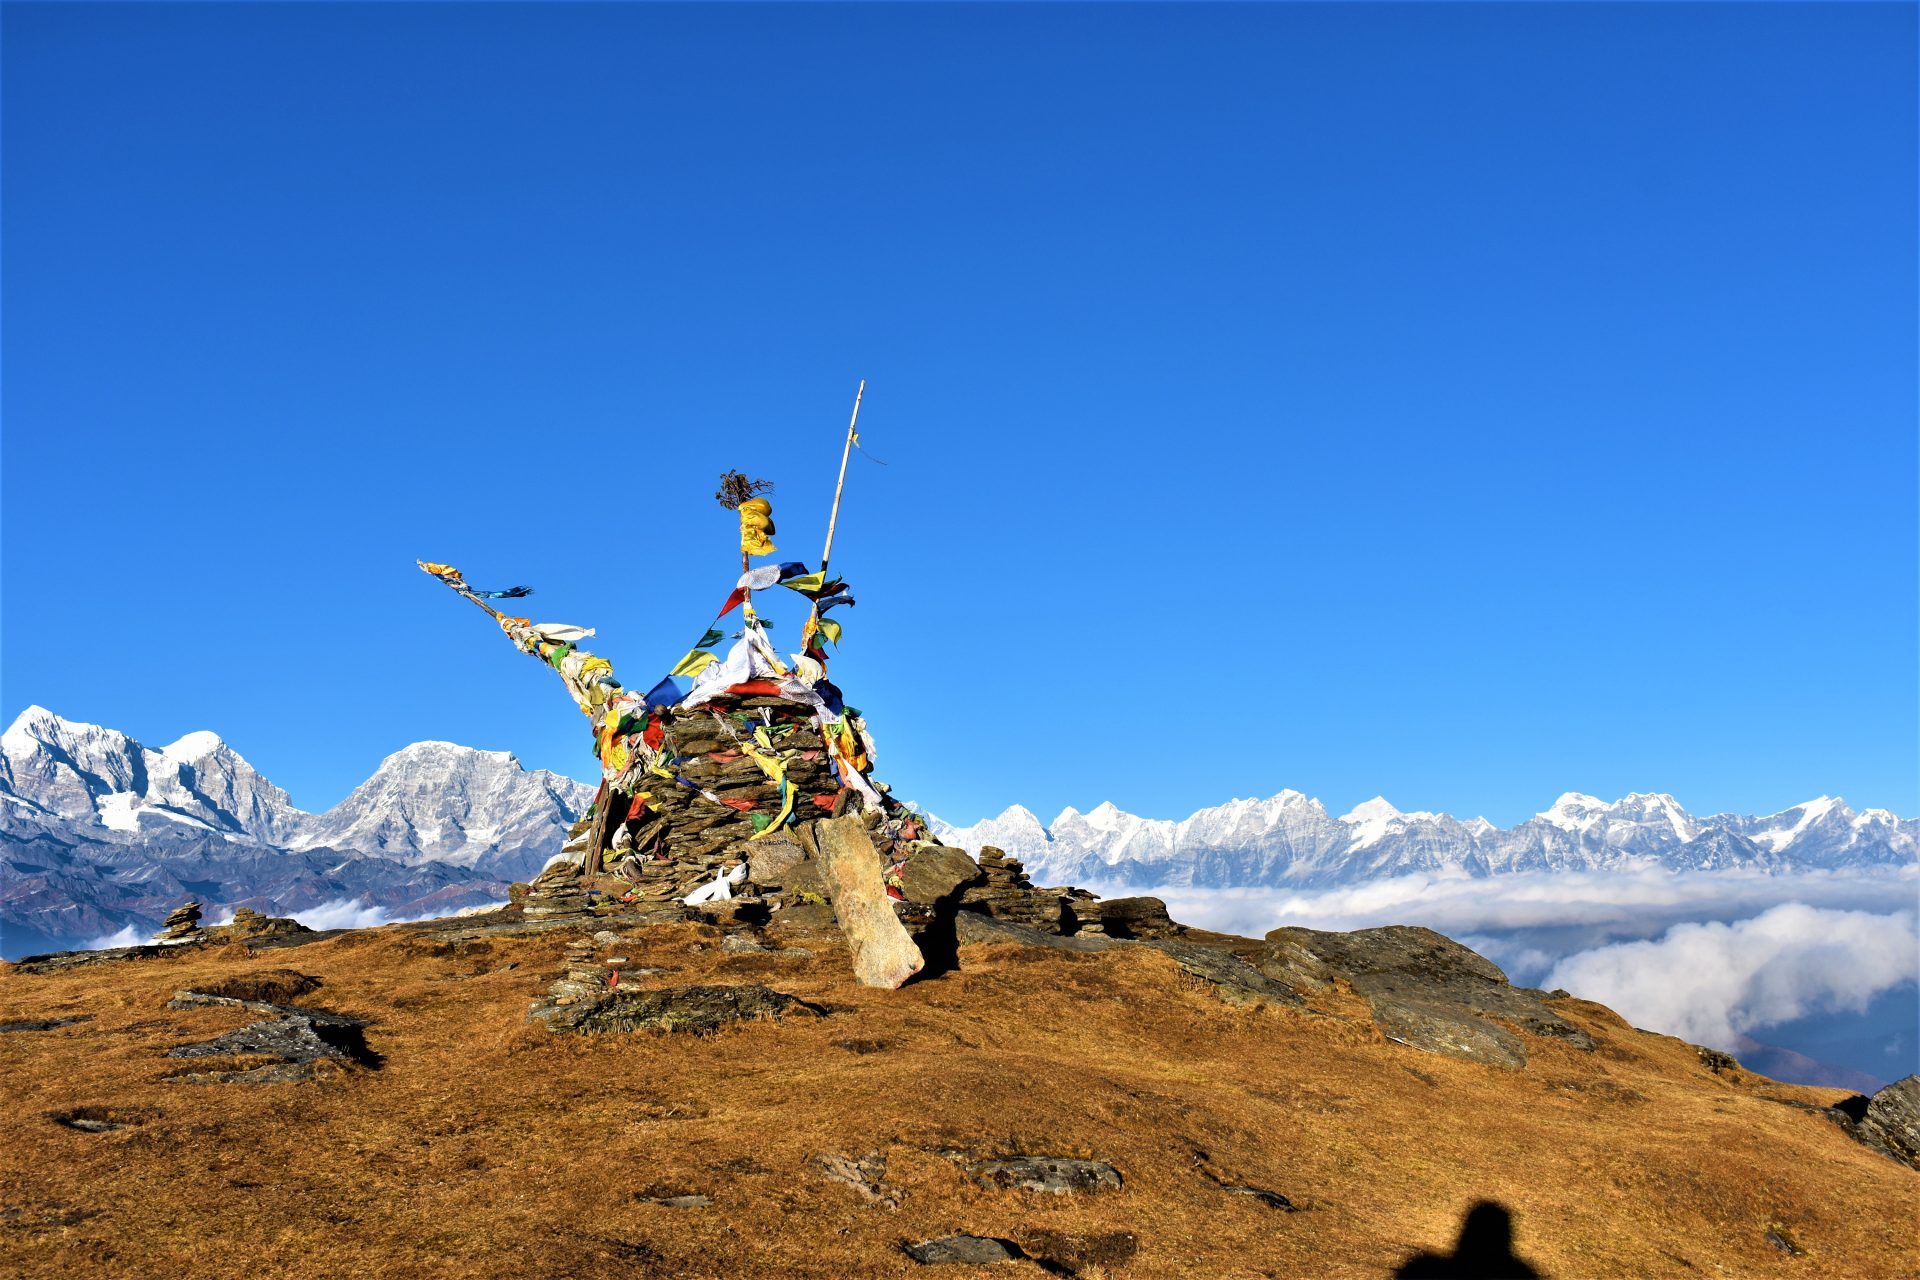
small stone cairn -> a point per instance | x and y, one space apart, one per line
181 925
1007 894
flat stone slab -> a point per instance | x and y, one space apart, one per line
969 1250
1055 1175
43 1024
974 928
883 953
694 1010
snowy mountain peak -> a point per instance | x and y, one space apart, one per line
1574 811
193 747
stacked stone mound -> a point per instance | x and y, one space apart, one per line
556 891
1005 893
696 824
181 925
248 923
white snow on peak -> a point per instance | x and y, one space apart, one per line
119 811
1574 811
1372 820
1810 812
193 747
20 738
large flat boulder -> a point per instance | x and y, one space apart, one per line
1425 990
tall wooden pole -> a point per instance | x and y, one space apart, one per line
833 517
846 451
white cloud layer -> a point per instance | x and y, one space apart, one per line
1710 956
1711 982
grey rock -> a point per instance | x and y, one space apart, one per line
43 1024
936 874
865 1175
691 1201
695 1010
1425 989
1073 1253
1889 1122
1055 1175
973 928
303 1036
971 1250
1143 918
1232 979
1271 1199
1445 1029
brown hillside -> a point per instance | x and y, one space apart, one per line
482 1145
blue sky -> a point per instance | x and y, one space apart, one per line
1459 403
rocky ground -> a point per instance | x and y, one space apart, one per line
657 1093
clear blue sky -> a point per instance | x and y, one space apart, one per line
1459 403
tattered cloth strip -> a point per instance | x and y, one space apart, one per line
629 731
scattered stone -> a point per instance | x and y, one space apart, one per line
1053 1174
1715 1061
867 1175
1076 1253
43 1024
1444 1029
693 1010
1271 1199
99 1119
969 1250
1782 1239
181 925
687 1200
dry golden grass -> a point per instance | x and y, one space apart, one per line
485 1147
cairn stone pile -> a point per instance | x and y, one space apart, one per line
181 925
1007 894
556 892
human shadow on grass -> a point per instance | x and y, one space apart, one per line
1483 1252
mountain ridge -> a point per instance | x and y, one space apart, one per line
1293 840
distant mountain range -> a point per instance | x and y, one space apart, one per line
98 831
1292 841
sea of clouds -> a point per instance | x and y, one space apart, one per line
1718 958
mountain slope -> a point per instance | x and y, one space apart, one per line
1245 1141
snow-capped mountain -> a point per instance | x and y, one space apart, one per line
1290 839
432 801
98 831
89 776
446 803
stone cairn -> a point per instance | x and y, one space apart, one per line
695 825
181 925
556 892
1007 894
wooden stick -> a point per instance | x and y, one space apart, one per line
833 517
846 451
